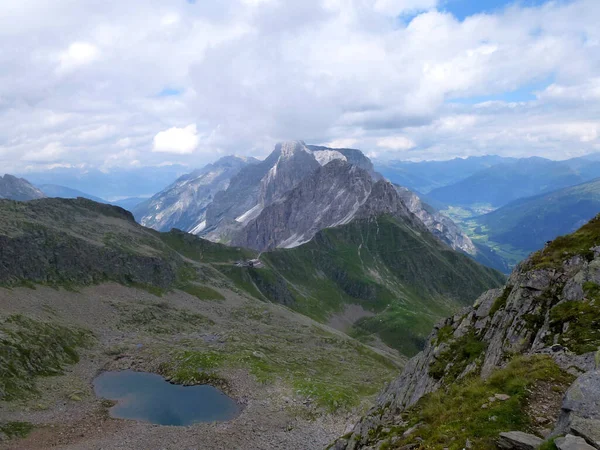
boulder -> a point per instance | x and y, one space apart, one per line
589 429
517 440
571 442
581 407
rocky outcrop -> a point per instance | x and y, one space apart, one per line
543 309
14 188
580 412
570 442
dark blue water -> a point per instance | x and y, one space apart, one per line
148 397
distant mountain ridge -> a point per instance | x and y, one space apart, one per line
529 223
14 188
57 191
370 262
425 176
503 183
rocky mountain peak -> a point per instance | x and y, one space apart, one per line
294 163
290 148
14 188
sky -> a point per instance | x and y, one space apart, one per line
122 84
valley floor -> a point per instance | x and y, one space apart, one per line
300 384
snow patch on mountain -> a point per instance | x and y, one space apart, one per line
250 214
199 228
325 156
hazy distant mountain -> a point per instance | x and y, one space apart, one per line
183 204
14 188
54 191
527 224
425 176
129 203
115 183
506 182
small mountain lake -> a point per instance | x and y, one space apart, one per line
149 397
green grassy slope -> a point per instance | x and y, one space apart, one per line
406 278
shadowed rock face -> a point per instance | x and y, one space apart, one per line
14 188
520 319
334 195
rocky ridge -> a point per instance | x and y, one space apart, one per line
14 188
549 308
183 204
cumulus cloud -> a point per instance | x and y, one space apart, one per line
180 141
76 55
396 143
397 78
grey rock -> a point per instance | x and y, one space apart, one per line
517 440
582 401
183 204
589 429
13 188
335 194
571 442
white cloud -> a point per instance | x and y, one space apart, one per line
396 143
342 143
50 153
180 141
76 55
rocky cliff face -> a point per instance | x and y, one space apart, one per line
183 204
550 307
14 188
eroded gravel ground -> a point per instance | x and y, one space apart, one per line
274 414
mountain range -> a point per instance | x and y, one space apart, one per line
286 199
528 223
503 183
331 278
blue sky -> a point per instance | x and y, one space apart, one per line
464 8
